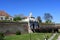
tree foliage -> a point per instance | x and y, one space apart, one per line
20 15
39 19
48 17
17 18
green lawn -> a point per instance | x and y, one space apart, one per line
34 36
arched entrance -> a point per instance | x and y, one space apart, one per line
34 26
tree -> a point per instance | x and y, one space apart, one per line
17 18
48 17
20 15
39 19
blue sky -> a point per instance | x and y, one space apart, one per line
37 7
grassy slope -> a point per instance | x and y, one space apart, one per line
34 36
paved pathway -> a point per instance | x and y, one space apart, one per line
58 37
52 36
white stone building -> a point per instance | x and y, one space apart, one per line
5 16
30 20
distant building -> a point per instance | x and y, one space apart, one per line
5 16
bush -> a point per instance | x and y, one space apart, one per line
1 36
5 21
18 33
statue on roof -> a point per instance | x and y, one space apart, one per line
30 15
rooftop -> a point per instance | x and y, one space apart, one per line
3 13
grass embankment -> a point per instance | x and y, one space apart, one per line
34 36
56 37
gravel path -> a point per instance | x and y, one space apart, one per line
52 36
58 37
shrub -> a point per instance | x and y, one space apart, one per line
4 20
18 33
1 36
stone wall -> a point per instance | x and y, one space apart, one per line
47 25
12 27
